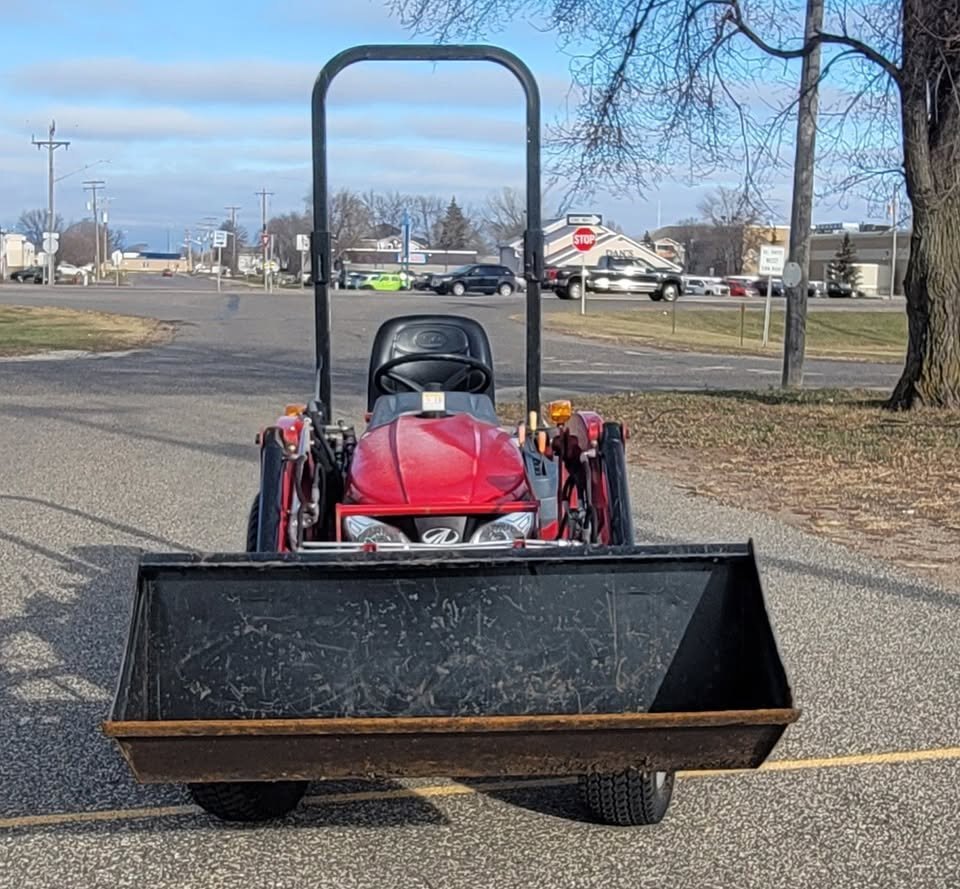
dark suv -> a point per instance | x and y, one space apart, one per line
476 279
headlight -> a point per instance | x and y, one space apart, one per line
505 528
363 529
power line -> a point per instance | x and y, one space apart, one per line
93 186
51 145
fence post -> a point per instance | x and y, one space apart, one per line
743 320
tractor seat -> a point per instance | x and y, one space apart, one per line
423 335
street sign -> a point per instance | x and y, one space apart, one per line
220 238
791 274
584 239
303 243
771 260
50 245
265 239
116 258
584 219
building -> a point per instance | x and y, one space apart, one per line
717 250
16 252
151 261
874 251
558 249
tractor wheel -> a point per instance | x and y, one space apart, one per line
457 288
628 799
632 797
249 800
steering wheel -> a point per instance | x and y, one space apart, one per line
468 367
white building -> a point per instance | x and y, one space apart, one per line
558 249
16 252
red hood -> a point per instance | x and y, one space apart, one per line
442 461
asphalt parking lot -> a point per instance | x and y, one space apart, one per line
107 457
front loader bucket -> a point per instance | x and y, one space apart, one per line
411 664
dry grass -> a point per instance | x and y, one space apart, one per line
835 463
26 330
851 334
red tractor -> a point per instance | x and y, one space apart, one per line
443 595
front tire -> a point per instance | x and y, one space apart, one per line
632 797
628 799
458 289
249 801
669 292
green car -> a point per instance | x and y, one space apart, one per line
384 281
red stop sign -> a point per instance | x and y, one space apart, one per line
584 239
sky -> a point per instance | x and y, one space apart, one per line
186 108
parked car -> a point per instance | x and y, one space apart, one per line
776 287
476 279
167 273
736 287
816 289
32 275
705 287
383 281
840 289
422 281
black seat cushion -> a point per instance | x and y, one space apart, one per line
423 335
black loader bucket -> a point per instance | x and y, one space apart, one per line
522 662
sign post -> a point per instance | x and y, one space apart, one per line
220 241
303 245
583 239
51 244
117 259
772 259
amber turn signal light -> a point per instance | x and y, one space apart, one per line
559 412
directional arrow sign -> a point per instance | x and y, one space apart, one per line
584 219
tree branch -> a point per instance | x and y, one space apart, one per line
735 16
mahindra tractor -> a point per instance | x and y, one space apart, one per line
445 593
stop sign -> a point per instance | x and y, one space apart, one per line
584 239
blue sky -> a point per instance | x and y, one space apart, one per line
185 108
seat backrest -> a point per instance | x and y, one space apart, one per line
423 335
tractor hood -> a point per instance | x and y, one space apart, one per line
436 461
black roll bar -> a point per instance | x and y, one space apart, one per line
320 239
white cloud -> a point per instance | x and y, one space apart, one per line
247 82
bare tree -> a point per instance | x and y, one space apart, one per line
350 220
33 223
735 219
285 229
78 244
505 214
725 88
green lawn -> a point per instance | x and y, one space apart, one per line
25 330
878 336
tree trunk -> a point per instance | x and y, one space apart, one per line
931 374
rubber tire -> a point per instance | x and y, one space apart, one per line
669 289
573 290
457 288
630 798
505 289
627 799
562 294
249 801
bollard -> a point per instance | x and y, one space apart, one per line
743 321
673 319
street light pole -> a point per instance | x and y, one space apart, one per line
93 185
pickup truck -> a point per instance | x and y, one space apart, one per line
613 274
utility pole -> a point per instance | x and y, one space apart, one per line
264 236
893 249
801 211
93 185
51 145
233 226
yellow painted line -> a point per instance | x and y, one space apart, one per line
433 791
